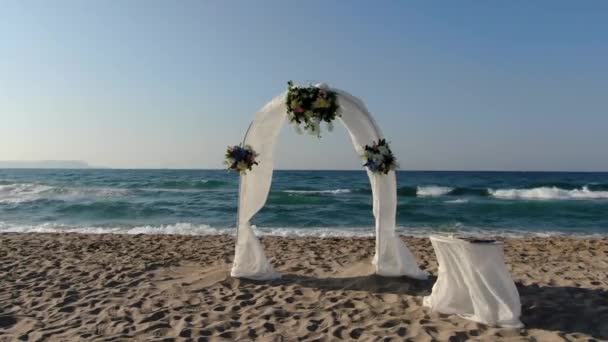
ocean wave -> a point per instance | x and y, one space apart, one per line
320 232
180 185
171 229
181 229
28 192
332 192
556 193
597 187
113 210
549 193
433 190
458 201
407 191
545 192
568 185
203 184
19 192
285 198
463 191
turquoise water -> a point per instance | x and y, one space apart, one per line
325 203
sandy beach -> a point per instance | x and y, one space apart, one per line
69 287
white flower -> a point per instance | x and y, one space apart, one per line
242 166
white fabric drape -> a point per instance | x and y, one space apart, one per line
474 282
392 257
249 258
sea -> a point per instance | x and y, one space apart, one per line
303 203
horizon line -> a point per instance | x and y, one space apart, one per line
97 168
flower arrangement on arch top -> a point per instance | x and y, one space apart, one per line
379 158
240 159
309 106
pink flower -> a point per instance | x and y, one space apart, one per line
299 110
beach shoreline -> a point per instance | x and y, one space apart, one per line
68 286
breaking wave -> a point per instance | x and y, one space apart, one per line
29 192
177 229
545 192
15 193
549 193
321 232
433 190
458 201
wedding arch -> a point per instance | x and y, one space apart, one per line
392 257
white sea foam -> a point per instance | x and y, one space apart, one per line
22 192
181 229
177 229
433 190
321 232
548 193
28 192
333 192
458 201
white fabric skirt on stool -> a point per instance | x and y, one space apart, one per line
474 282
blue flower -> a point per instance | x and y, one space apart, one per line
240 153
371 165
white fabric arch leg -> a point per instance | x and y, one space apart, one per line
249 258
392 258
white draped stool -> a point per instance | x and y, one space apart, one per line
474 282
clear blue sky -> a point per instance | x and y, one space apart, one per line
467 85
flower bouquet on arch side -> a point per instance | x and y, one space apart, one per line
379 158
240 158
309 106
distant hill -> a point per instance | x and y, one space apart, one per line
44 164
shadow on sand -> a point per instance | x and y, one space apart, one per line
567 310
368 283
